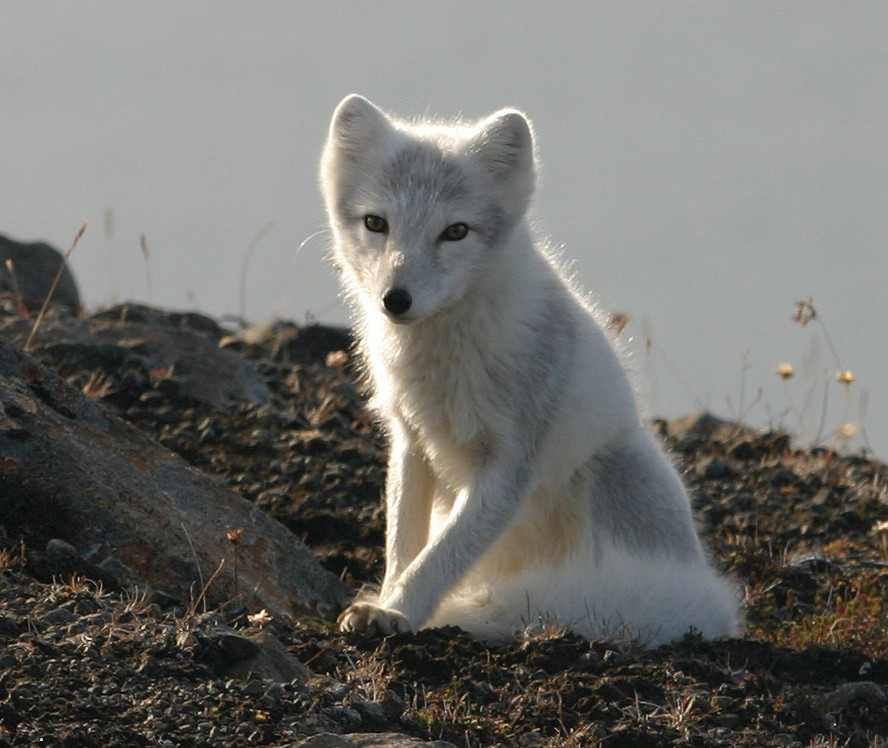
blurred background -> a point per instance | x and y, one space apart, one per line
705 164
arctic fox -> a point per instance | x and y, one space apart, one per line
523 489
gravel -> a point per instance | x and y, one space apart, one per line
82 664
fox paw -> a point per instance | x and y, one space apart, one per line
369 619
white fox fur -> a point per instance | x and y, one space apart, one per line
522 486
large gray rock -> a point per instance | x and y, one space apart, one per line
34 267
72 471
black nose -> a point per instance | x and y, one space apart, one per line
397 301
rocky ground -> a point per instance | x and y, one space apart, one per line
84 664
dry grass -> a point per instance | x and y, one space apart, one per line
14 558
851 422
52 288
810 410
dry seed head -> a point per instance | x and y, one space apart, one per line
785 371
259 619
846 431
805 312
234 536
336 359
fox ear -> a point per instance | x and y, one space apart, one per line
357 126
503 147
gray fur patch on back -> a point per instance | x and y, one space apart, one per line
639 504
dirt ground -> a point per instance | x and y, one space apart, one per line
804 533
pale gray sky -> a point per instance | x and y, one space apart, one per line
705 163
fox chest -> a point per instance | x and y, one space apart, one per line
450 420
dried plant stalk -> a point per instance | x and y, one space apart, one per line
52 288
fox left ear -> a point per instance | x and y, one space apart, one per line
503 146
357 124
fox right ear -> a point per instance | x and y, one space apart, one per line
357 125
503 145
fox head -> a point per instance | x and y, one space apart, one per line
417 210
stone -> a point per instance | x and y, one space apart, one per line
34 268
706 426
176 349
246 654
73 471
312 343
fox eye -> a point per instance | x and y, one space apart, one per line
376 224
456 232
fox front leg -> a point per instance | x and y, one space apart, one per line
408 497
478 518
409 494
